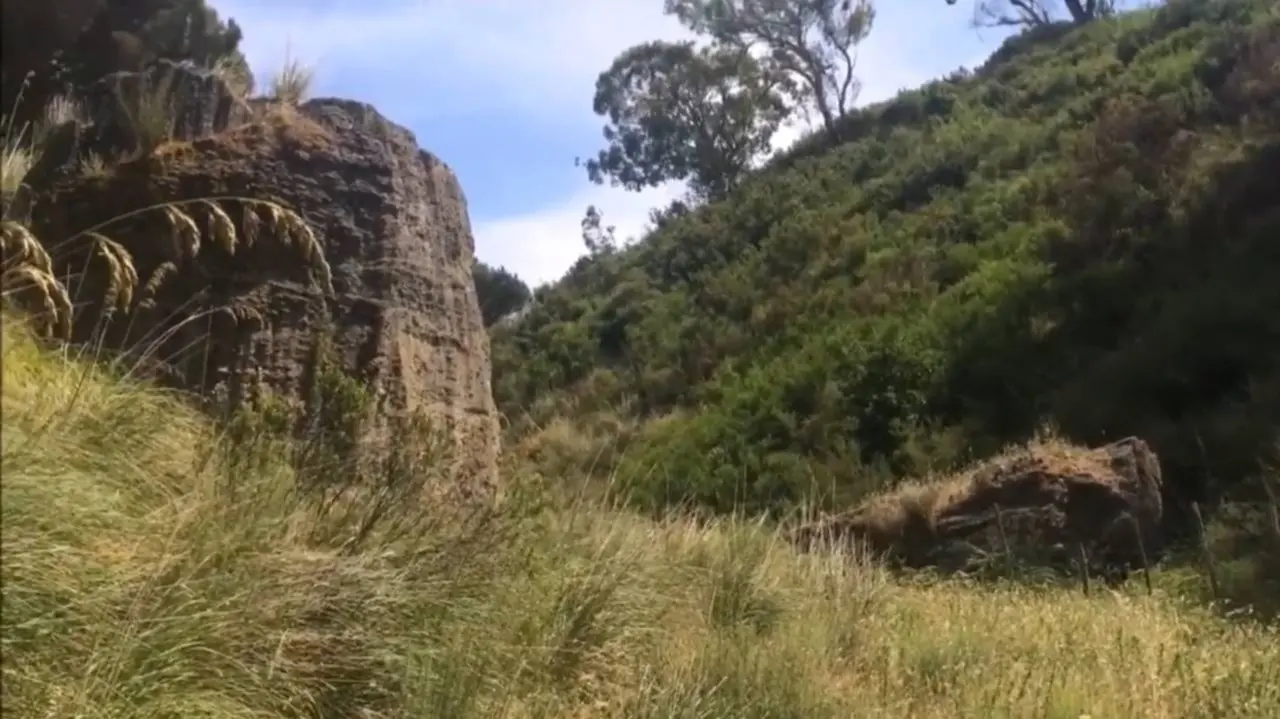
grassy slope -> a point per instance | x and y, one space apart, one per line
146 576
1081 232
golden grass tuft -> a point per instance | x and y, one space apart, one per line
151 112
93 164
284 226
29 286
219 226
28 270
291 230
159 276
22 248
15 162
122 278
184 235
291 85
152 570
250 223
26 277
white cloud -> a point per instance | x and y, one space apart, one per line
541 246
538 61
542 57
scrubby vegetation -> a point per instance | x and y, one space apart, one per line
1079 233
154 567
499 291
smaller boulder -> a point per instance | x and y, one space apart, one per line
1043 503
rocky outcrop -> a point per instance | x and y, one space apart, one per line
248 309
1042 503
192 102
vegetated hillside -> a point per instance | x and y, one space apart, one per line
1082 232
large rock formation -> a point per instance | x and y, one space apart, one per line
1044 503
391 220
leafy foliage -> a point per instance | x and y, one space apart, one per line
812 42
1078 233
500 292
1031 13
677 112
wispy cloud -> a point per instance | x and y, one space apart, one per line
453 56
453 67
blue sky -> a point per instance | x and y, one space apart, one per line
501 91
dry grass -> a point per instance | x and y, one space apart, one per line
20 146
17 156
29 270
150 574
152 113
235 73
15 161
59 110
907 516
94 164
291 85
26 279
589 445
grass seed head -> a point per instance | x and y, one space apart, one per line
243 314
290 229
21 248
250 224
221 228
44 289
122 277
159 276
309 247
184 233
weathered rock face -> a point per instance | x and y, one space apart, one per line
392 223
201 103
1043 503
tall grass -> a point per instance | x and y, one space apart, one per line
16 160
150 572
291 84
235 73
152 112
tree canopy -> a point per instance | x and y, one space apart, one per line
677 112
1030 13
812 42
499 291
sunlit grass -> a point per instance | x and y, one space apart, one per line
144 577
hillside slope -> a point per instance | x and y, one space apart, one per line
1081 232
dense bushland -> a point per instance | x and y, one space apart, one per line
1079 233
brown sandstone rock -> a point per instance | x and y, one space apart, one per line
1041 502
392 221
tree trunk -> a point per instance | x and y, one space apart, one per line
1079 13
